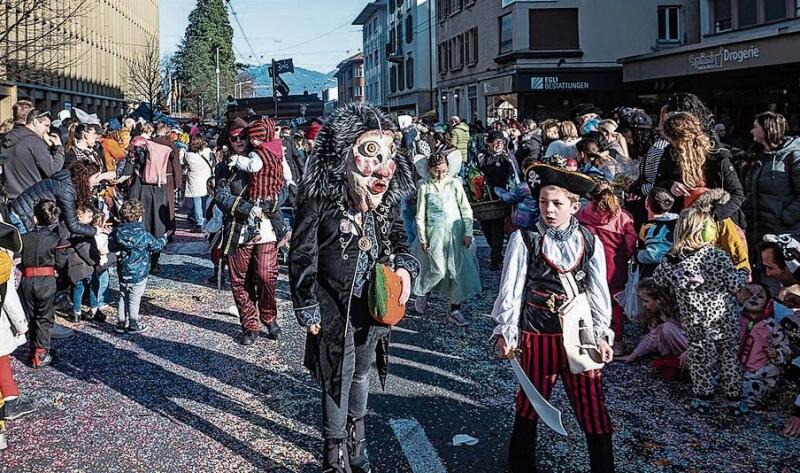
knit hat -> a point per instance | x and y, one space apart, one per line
263 130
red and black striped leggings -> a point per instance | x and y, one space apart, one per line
543 358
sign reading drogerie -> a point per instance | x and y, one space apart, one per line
718 58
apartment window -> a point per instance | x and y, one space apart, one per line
401 76
553 28
722 15
409 29
506 35
410 72
456 52
359 71
668 30
391 6
774 10
393 79
748 13
469 3
456 6
358 91
399 33
471 46
442 58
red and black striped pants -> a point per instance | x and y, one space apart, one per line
543 358
254 271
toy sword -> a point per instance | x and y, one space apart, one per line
549 414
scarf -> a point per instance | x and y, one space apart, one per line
561 235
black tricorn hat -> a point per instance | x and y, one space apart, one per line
540 175
9 238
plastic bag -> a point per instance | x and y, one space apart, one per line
631 305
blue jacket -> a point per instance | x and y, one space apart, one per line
133 245
657 237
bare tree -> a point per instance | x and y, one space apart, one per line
147 77
38 39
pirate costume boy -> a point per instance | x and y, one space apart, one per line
346 222
554 305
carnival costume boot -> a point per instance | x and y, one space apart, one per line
601 453
522 446
357 445
336 457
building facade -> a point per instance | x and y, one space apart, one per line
744 60
107 36
409 51
350 79
536 59
372 19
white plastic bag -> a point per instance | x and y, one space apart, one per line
630 298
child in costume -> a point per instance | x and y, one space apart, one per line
449 265
765 348
705 281
665 335
613 225
545 272
347 221
37 290
656 236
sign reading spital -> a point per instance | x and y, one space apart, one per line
718 58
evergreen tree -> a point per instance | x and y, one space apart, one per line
195 61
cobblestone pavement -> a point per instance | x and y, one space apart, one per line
185 396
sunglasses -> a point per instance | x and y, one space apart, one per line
238 138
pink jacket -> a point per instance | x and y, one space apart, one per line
618 237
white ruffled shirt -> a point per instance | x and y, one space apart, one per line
565 255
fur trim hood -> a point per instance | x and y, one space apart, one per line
711 199
325 176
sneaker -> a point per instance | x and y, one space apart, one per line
134 327
120 328
700 406
99 316
421 304
457 318
249 337
16 408
274 330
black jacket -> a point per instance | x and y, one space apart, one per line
29 159
58 188
773 190
39 247
719 174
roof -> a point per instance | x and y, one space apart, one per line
358 57
369 10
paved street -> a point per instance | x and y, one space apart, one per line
185 396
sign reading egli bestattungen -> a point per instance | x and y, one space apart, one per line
554 83
719 58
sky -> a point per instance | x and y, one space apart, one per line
317 34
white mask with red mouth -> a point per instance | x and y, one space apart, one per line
370 167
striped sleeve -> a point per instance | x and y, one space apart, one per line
649 167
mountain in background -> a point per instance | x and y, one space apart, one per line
302 79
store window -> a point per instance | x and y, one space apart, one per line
501 106
506 33
722 15
668 21
553 28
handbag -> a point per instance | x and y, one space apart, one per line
577 328
383 297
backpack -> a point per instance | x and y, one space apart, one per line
155 167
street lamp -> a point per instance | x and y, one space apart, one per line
240 91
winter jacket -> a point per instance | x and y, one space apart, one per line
74 255
12 320
459 136
133 245
618 236
719 174
29 159
656 240
773 191
730 237
198 166
58 188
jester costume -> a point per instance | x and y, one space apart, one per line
347 220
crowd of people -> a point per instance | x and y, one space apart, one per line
619 217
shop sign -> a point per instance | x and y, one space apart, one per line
555 83
501 85
719 58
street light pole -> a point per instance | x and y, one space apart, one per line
238 88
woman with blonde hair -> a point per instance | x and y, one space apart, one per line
691 166
565 144
705 281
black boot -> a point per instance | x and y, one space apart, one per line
601 453
522 446
335 459
357 445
